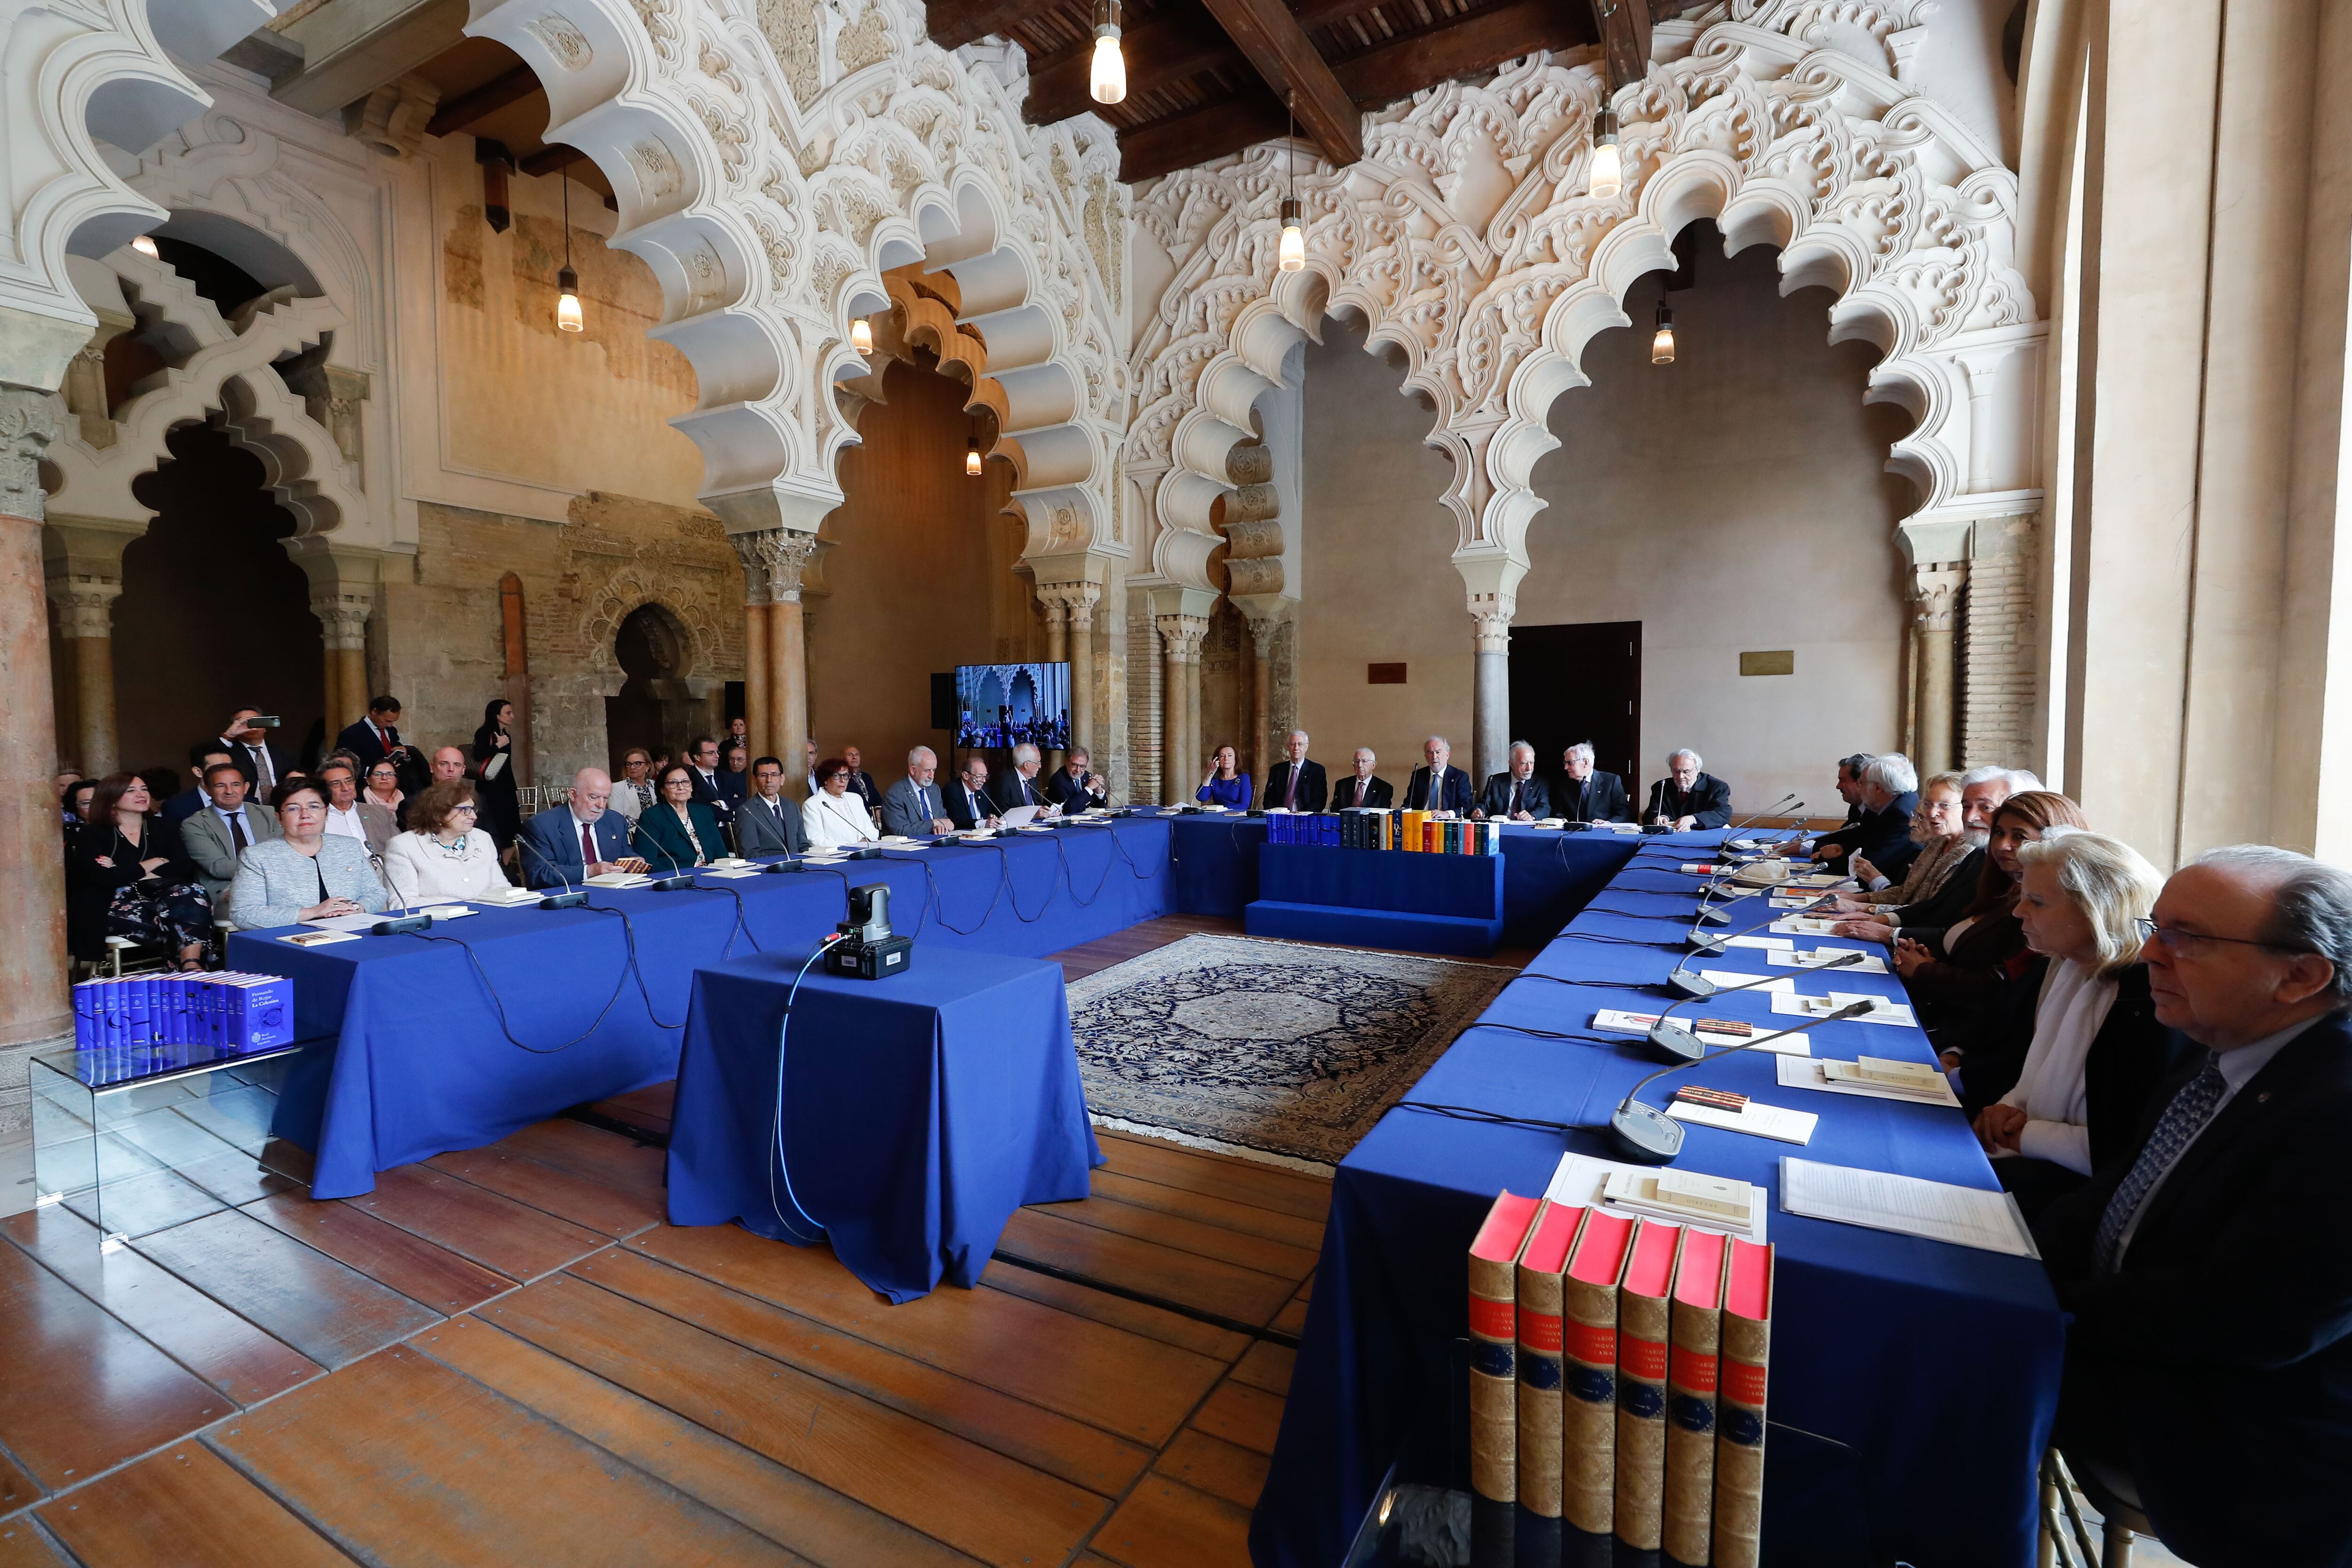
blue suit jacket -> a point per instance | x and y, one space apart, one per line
1453 794
553 852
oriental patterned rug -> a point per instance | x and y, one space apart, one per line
1267 1048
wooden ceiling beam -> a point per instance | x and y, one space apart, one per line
1479 41
479 103
955 23
1285 60
1169 47
550 158
1623 26
1210 132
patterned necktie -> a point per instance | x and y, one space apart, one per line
587 847
2186 1117
1290 790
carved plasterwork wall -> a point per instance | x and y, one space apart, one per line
1466 240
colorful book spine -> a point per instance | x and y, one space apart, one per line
1644 1331
1589 1366
1494 1335
1691 1379
1541 1263
1740 1406
1417 830
85 1007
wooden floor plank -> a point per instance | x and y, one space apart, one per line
1178 1234
473 1222
996 1508
593 1154
816 1522
193 1329
1219 1175
1215 1465
81 1391
648 1108
403 1460
330 1311
1080 1454
184 1508
1164 1523
22 1545
1242 1415
586 1202
1204 1284
1102 1307
429 1275
1267 1366
1118 1380
1247 1218
17 1490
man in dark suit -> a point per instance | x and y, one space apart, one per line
861 783
202 757
582 839
1686 798
249 746
1360 788
1587 796
2209 1370
711 787
968 804
1887 792
1075 786
1294 783
1434 785
766 822
1021 787
1516 795
375 737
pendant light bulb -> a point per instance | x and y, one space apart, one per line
145 245
1106 78
1293 255
1662 346
1608 159
861 338
567 301
971 456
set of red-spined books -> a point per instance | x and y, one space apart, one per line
1617 1377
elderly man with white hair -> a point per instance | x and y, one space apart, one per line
1436 785
1688 798
581 839
1294 783
1020 787
2208 1265
1588 796
1882 833
1361 787
1516 794
912 809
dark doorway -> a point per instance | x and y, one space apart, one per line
214 613
1579 682
653 708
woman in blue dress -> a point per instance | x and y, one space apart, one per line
1226 785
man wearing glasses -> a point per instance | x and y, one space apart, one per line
2209 1370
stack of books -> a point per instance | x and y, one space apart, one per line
233 1011
1417 830
1618 1372
1304 827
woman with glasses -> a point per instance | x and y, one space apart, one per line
1944 872
835 814
308 874
2084 1050
445 853
1954 971
677 833
382 789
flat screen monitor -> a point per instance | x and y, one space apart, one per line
999 706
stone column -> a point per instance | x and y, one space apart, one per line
33 1005
1180 698
84 613
1261 713
1490 706
756 672
343 594
1935 609
774 560
1056 604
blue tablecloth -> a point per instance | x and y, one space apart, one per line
920 1111
1420 903
415 1058
1937 1365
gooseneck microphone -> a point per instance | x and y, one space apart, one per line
407 920
1646 1133
571 898
1671 1042
1709 942
1770 810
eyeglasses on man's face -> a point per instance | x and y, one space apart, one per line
2190 941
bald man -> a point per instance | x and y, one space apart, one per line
583 838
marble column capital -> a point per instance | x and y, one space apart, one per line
774 561
27 426
1182 635
1935 593
1494 626
83 607
1074 600
342 611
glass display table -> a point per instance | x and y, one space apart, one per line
136 1139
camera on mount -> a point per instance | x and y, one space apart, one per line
867 949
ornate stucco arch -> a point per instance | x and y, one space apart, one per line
1468 239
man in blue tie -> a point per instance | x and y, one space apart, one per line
2209 1370
912 809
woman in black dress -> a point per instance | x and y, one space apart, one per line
127 876
494 766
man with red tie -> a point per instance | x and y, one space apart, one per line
1294 783
579 839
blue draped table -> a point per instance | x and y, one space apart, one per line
456 1039
1935 1365
1379 898
920 1111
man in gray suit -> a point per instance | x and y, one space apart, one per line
913 806
216 834
766 822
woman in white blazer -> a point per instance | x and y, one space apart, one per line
443 855
835 815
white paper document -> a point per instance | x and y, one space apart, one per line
1581 1180
1023 815
619 879
1762 1121
1766 943
1804 925
1613 1022
732 873
514 894
319 938
1808 1074
1882 1011
349 923
1726 978
1966 1216
439 912
1814 957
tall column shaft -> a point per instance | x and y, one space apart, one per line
1082 668
1261 713
788 686
1935 613
756 679
775 647
1490 707
82 609
1179 730
34 1003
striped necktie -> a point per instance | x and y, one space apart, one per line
2185 1118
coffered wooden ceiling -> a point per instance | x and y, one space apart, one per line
1207 78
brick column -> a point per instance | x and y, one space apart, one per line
33 1005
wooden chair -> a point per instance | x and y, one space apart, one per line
2066 1536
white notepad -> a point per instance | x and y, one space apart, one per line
1757 1119
1580 1180
1908 1205
1804 925
1726 978
1882 1011
1612 1021
1814 957
1808 1074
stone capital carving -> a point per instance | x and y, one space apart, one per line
1935 593
1494 624
1180 635
1073 602
342 611
774 561
83 607
27 426
393 118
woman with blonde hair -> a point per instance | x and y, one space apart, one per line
1947 864
2093 1051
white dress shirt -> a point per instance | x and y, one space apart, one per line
2050 1089
346 822
2237 1067
831 819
